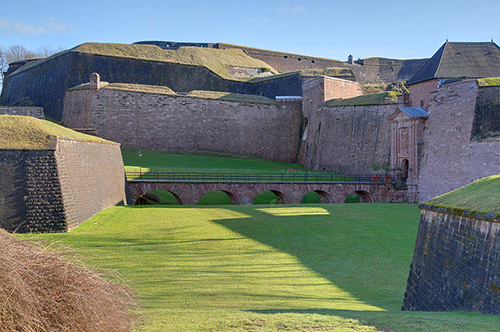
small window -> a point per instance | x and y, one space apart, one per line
312 61
286 56
299 59
421 103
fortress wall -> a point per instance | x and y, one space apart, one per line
36 112
285 62
92 178
57 189
164 122
486 124
349 139
456 265
451 159
386 70
420 93
30 192
45 84
78 106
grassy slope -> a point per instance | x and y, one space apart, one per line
286 268
369 99
24 132
157 161
482 195
214 59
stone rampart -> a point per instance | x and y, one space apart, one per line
56 189
30 192
36 112
386 70
167 122
45 84
451 159
348 139
456 264
92 178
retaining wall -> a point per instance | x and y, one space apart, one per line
456 264
451 157
45 84
166 122
56 189
348 139
36 112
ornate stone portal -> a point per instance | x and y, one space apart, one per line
407 126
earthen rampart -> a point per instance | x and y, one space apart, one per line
169 122
451 158
455 264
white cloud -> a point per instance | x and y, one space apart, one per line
28 29
291 11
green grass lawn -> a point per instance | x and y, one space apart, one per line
265 268
158 161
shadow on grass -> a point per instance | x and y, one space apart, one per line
365 251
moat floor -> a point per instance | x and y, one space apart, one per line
266 267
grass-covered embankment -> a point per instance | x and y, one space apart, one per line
281 268
172 161
480 196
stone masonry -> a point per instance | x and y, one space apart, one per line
169 122
349 139
451 159
36 112
56 189
456 264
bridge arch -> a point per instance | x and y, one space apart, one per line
152 195
364 196
317 196
216 197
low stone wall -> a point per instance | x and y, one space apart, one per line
36 112
456 264
56 189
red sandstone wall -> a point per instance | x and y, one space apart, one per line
421 92
78 105
165 122
349 139
451 160
92 178
320 89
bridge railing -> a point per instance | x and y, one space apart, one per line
302 177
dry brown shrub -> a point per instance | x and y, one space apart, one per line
42 291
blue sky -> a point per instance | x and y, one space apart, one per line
332 29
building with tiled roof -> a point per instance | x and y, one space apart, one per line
454 60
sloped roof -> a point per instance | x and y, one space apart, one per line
461 59
415 112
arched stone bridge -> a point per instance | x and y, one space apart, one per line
189 193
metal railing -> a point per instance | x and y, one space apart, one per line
302 177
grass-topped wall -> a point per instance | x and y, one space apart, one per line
456 263
44 83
